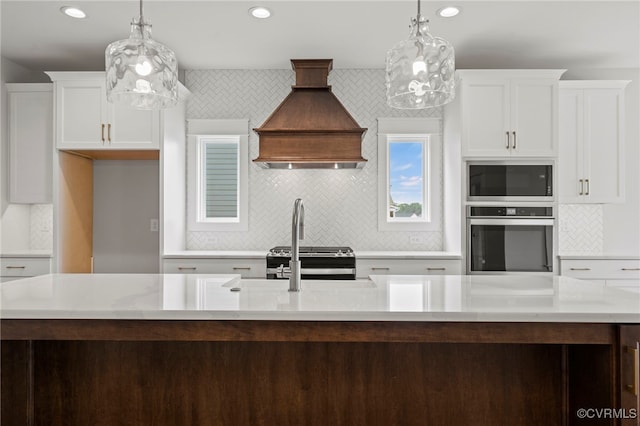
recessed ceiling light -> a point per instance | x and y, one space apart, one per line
73 12
260 12
449 11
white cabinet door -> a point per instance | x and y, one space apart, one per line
571 155
509 113
30 142
533 118
81 114
592 148
133 128
86 121
390 266
23 267
603 146
485 107
246 267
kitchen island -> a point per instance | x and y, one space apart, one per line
216 349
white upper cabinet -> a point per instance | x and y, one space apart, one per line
591 157
86 121
509 113
30 142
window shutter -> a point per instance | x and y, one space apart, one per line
221 194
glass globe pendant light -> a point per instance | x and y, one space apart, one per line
420 71
141 72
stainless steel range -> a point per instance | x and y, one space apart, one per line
317 263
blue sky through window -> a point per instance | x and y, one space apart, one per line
406 172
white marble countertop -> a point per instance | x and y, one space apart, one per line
381 298
205 254
210 254
26 253
598 257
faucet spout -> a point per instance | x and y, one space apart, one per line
297 234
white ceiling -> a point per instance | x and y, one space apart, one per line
356 34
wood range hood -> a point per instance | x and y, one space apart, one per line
310 129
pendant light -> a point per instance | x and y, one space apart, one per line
420 70
141 72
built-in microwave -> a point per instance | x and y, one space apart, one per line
509 181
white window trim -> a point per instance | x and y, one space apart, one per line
421 129
198 130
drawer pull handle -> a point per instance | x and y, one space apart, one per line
514 139
437 269
586 181
109 132
633 388
507 144
581 187
103 133
241 268
186 268
580 269
379 269
16 267
631 269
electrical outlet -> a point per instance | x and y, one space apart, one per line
415 239
154 225
211 240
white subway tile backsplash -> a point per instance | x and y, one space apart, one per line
340 205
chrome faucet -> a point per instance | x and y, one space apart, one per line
297 234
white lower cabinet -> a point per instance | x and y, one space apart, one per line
613 272
246 267
15 267
386 266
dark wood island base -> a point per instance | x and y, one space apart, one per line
144 372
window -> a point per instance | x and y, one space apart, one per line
407 182
409 174
219 183
217 175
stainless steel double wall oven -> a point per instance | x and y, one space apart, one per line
510 217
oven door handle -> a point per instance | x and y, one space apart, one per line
515 222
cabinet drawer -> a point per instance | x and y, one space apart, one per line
366 267
247 268
605 269
24 267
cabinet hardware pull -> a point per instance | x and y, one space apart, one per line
580 269
581 187
436 269
103 133
633 388
374 268
186 268
514 140
631 269
507 145
587 182
241 268
16 267
109 132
